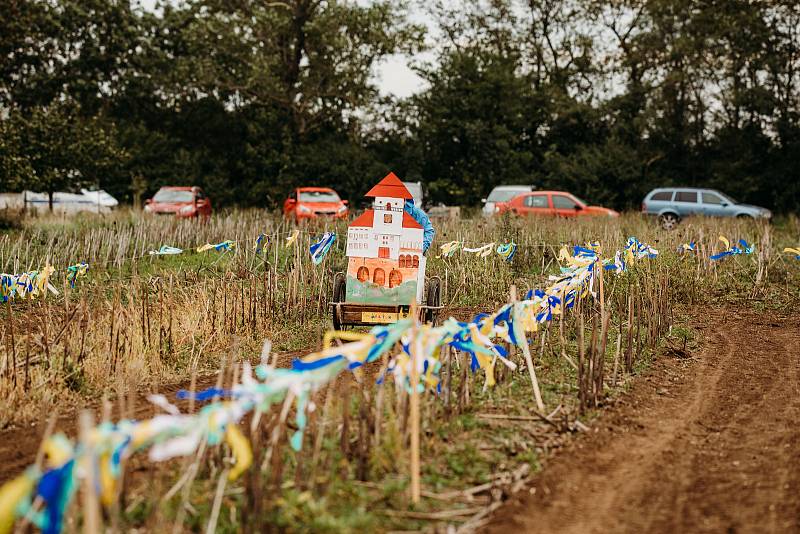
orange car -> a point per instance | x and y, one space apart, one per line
552 203
312 202
183 202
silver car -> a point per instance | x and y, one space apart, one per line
502 193
671 204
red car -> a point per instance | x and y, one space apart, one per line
183 202
312 202
552 203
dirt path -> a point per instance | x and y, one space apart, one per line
704 445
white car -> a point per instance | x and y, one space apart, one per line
64 203
502 193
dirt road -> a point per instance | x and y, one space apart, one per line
710 444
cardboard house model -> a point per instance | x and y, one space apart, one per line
384 248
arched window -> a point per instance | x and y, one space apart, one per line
379 277
395 278
402 261
416 261
363 274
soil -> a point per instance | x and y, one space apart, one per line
705 444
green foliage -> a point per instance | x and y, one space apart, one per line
53 148
248 99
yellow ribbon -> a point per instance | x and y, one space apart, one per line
11 495
292 238
241 449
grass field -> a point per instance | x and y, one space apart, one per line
139 323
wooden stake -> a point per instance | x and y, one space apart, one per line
537 395
415 469
91 506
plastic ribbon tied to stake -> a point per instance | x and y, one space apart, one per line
795 251
320 248
173 434
292 237
30 284
225 246
75 271
262 242
740 248
450 248
166 250
507 251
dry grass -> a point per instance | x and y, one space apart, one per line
138 323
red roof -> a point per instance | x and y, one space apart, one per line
410 222
390 186
366 219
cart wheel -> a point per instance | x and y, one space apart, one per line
433 297
339 286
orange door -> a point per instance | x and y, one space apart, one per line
535 204
565 206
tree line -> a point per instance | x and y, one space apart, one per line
604 98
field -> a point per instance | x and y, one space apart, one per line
137 323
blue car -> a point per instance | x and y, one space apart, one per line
671 204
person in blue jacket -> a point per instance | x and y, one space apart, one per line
422 218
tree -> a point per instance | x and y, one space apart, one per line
57 150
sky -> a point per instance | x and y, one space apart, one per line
394 76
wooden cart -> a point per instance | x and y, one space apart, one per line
358 314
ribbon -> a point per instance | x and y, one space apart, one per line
320 248
450 248
30 284
740 248
292 237
481 252
74 271
795 251
262 242
225 246
507 251
166 250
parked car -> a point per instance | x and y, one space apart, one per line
554 204
183 202
63 203
415 188
502 193
312 202
671 204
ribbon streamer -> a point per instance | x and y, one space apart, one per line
262 242
166 250
481 252
740 248
507 251
292 237
795 251
320 248
74 271
225 246
450 248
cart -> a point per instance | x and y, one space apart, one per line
346 315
